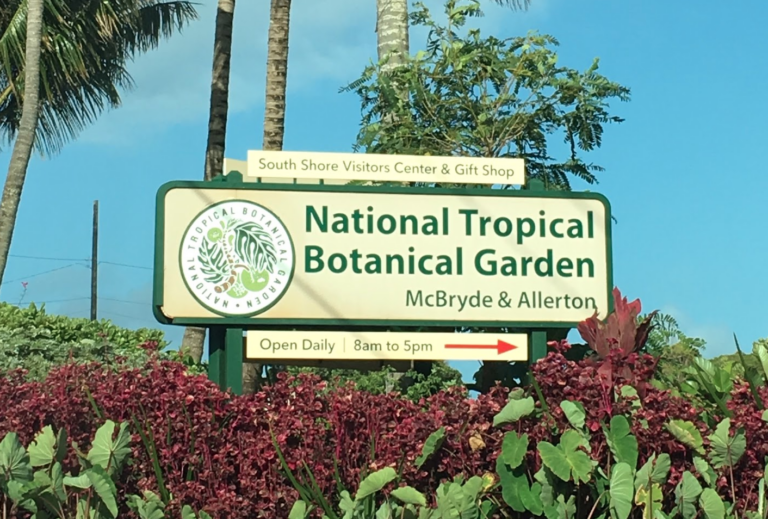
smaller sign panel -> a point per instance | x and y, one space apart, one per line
353 345
385 168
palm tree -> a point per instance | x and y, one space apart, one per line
193 341
84 48
274 129
30 111
274 117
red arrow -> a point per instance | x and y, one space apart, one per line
500 347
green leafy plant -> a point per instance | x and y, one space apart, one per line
34 481
48 491
455 499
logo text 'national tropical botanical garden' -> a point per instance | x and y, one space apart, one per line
237 258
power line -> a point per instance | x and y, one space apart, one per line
55 300
30 276
123 301
46 258
132 317
126 265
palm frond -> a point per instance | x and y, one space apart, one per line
517 5
86 46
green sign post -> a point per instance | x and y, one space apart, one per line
235 256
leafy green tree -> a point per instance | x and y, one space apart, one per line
475 96
469 95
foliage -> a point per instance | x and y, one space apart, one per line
86 45
571 445
91 493
36 341
413 385
572 480
617 339
674 349
469 95
712 384
49 492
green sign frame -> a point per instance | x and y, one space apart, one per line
234 181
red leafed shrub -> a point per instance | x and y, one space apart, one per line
216 453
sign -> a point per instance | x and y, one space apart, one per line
332 345
385 168
243 254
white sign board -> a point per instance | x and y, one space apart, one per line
385 168
332 345
341 255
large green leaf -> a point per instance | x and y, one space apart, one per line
514 448
42 450
104 487
147 506
622 443
409 496
107 453
574 412
82 481
375 482
711 504
254 247
566 461
650 499
621 491
726 450
761 352
545 478
687 434
653 471
531 498
687 492
187 512
704 470
510 485
514 411
432 445
14 460
298 510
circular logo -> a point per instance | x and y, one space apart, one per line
237 258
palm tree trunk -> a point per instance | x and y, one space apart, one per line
274 119
277 75
22 149
193 342
392 31
392 42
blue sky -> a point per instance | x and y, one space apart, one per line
683 173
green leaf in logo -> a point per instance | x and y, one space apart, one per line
253 245
213 264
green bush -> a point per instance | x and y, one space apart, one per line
36 341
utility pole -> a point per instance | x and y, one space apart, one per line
95 261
